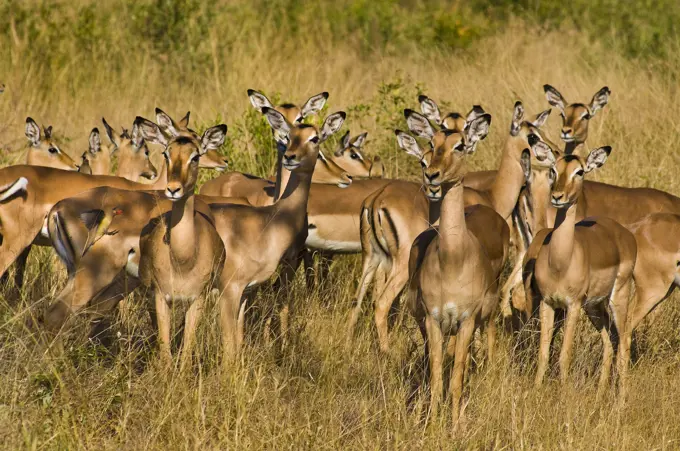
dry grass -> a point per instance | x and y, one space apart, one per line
322 393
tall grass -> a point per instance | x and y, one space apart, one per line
70 63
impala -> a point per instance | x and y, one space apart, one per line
455 268
256 239
576 117
43 151
181 250
587 264
391 219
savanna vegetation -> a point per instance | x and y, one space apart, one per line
68 63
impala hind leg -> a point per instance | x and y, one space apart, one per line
600 319
369 268
547 314
393 287
620 303
230 307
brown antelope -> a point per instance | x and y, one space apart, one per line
43 151
133 154
349 157
576 116
390 219
587 264
97 157
181 251
256 239
455 268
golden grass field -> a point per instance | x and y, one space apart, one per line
323 393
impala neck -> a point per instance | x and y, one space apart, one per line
281 173
510 178
452 227
542 213
162 179
561 245
294 198
182 230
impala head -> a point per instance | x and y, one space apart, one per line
524 132
98 156
430 109
302 140
133 153
349 155
210 160
444 161
567 174
327 172
291 112
576 116
43 151
182 155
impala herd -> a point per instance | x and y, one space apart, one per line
445 241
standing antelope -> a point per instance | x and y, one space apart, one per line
256 239
576 117
43 151
587 264
97 158
181 251
455 268
390 219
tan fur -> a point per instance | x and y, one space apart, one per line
581 265
454 272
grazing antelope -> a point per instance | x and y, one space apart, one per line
256 239
587 264
181 251
455 268
43 151
390 219
576 117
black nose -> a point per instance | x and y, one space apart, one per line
558 196
349 176
432 176
173 191
289 157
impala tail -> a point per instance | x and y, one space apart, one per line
7 191
61 240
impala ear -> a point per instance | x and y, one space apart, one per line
110 133
259 100
279 125
418 124
476 131
600 99
95 141
517 117
32 132
184 122
358 142
541 118
525 162
543 154
166 124
474 113
144 129
555 98
314 104
213 138
409 144
430 109
48 132
331 125
597 158
344 144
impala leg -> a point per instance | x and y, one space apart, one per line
367 275
434 346
512 284
230 301
491 337
599 318
325 262
547 314
393 287
647 297
191 318
620 306
163 321
464 338
573 312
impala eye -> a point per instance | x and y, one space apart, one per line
166 155
195 159
314 139
146 152
459 147
354 156
423 164
579 173
53 150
